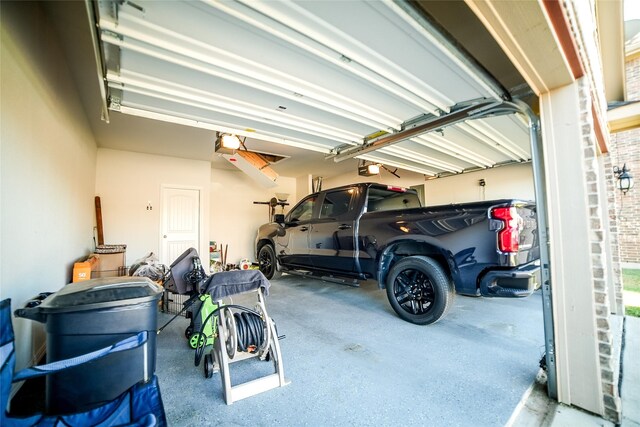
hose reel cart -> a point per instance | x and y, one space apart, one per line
242 333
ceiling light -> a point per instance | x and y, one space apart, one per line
226 143
230 141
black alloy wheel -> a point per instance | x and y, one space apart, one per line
419 291
268 263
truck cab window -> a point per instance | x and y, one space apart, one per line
304 211
379 199
335 203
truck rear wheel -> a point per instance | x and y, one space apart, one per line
419 290
268 263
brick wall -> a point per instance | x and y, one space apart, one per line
625 148
599 264
612 209
581 16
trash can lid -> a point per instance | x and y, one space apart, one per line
102 293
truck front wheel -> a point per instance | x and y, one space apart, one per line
268 263
419 290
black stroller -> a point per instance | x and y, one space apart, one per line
184 278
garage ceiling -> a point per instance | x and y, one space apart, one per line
316 75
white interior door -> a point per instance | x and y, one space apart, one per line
180 222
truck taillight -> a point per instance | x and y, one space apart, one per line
509 233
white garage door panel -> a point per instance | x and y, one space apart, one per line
250 54
207 115
380 37
314 74
134 62
512 129
202 89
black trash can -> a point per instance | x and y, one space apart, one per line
89 315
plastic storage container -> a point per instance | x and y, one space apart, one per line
86 316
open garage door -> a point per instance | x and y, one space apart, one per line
322 76
378 81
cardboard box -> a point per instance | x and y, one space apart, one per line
82 270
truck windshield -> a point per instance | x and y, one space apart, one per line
382 199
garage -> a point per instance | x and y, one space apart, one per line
127 102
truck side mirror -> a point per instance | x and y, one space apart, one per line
279 218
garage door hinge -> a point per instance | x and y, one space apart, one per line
112 34
114 103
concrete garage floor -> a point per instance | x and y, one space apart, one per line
352 361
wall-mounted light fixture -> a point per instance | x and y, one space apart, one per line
226 143
624 178
369 170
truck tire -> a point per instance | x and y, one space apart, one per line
268 263
419 290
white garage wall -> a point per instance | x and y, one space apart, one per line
514 181
234 217
48 158
126 182
303 188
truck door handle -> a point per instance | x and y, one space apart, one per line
344 227
304 228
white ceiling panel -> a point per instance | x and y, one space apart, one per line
318 75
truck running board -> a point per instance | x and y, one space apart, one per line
343 281
349 282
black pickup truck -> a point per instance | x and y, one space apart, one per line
380 232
